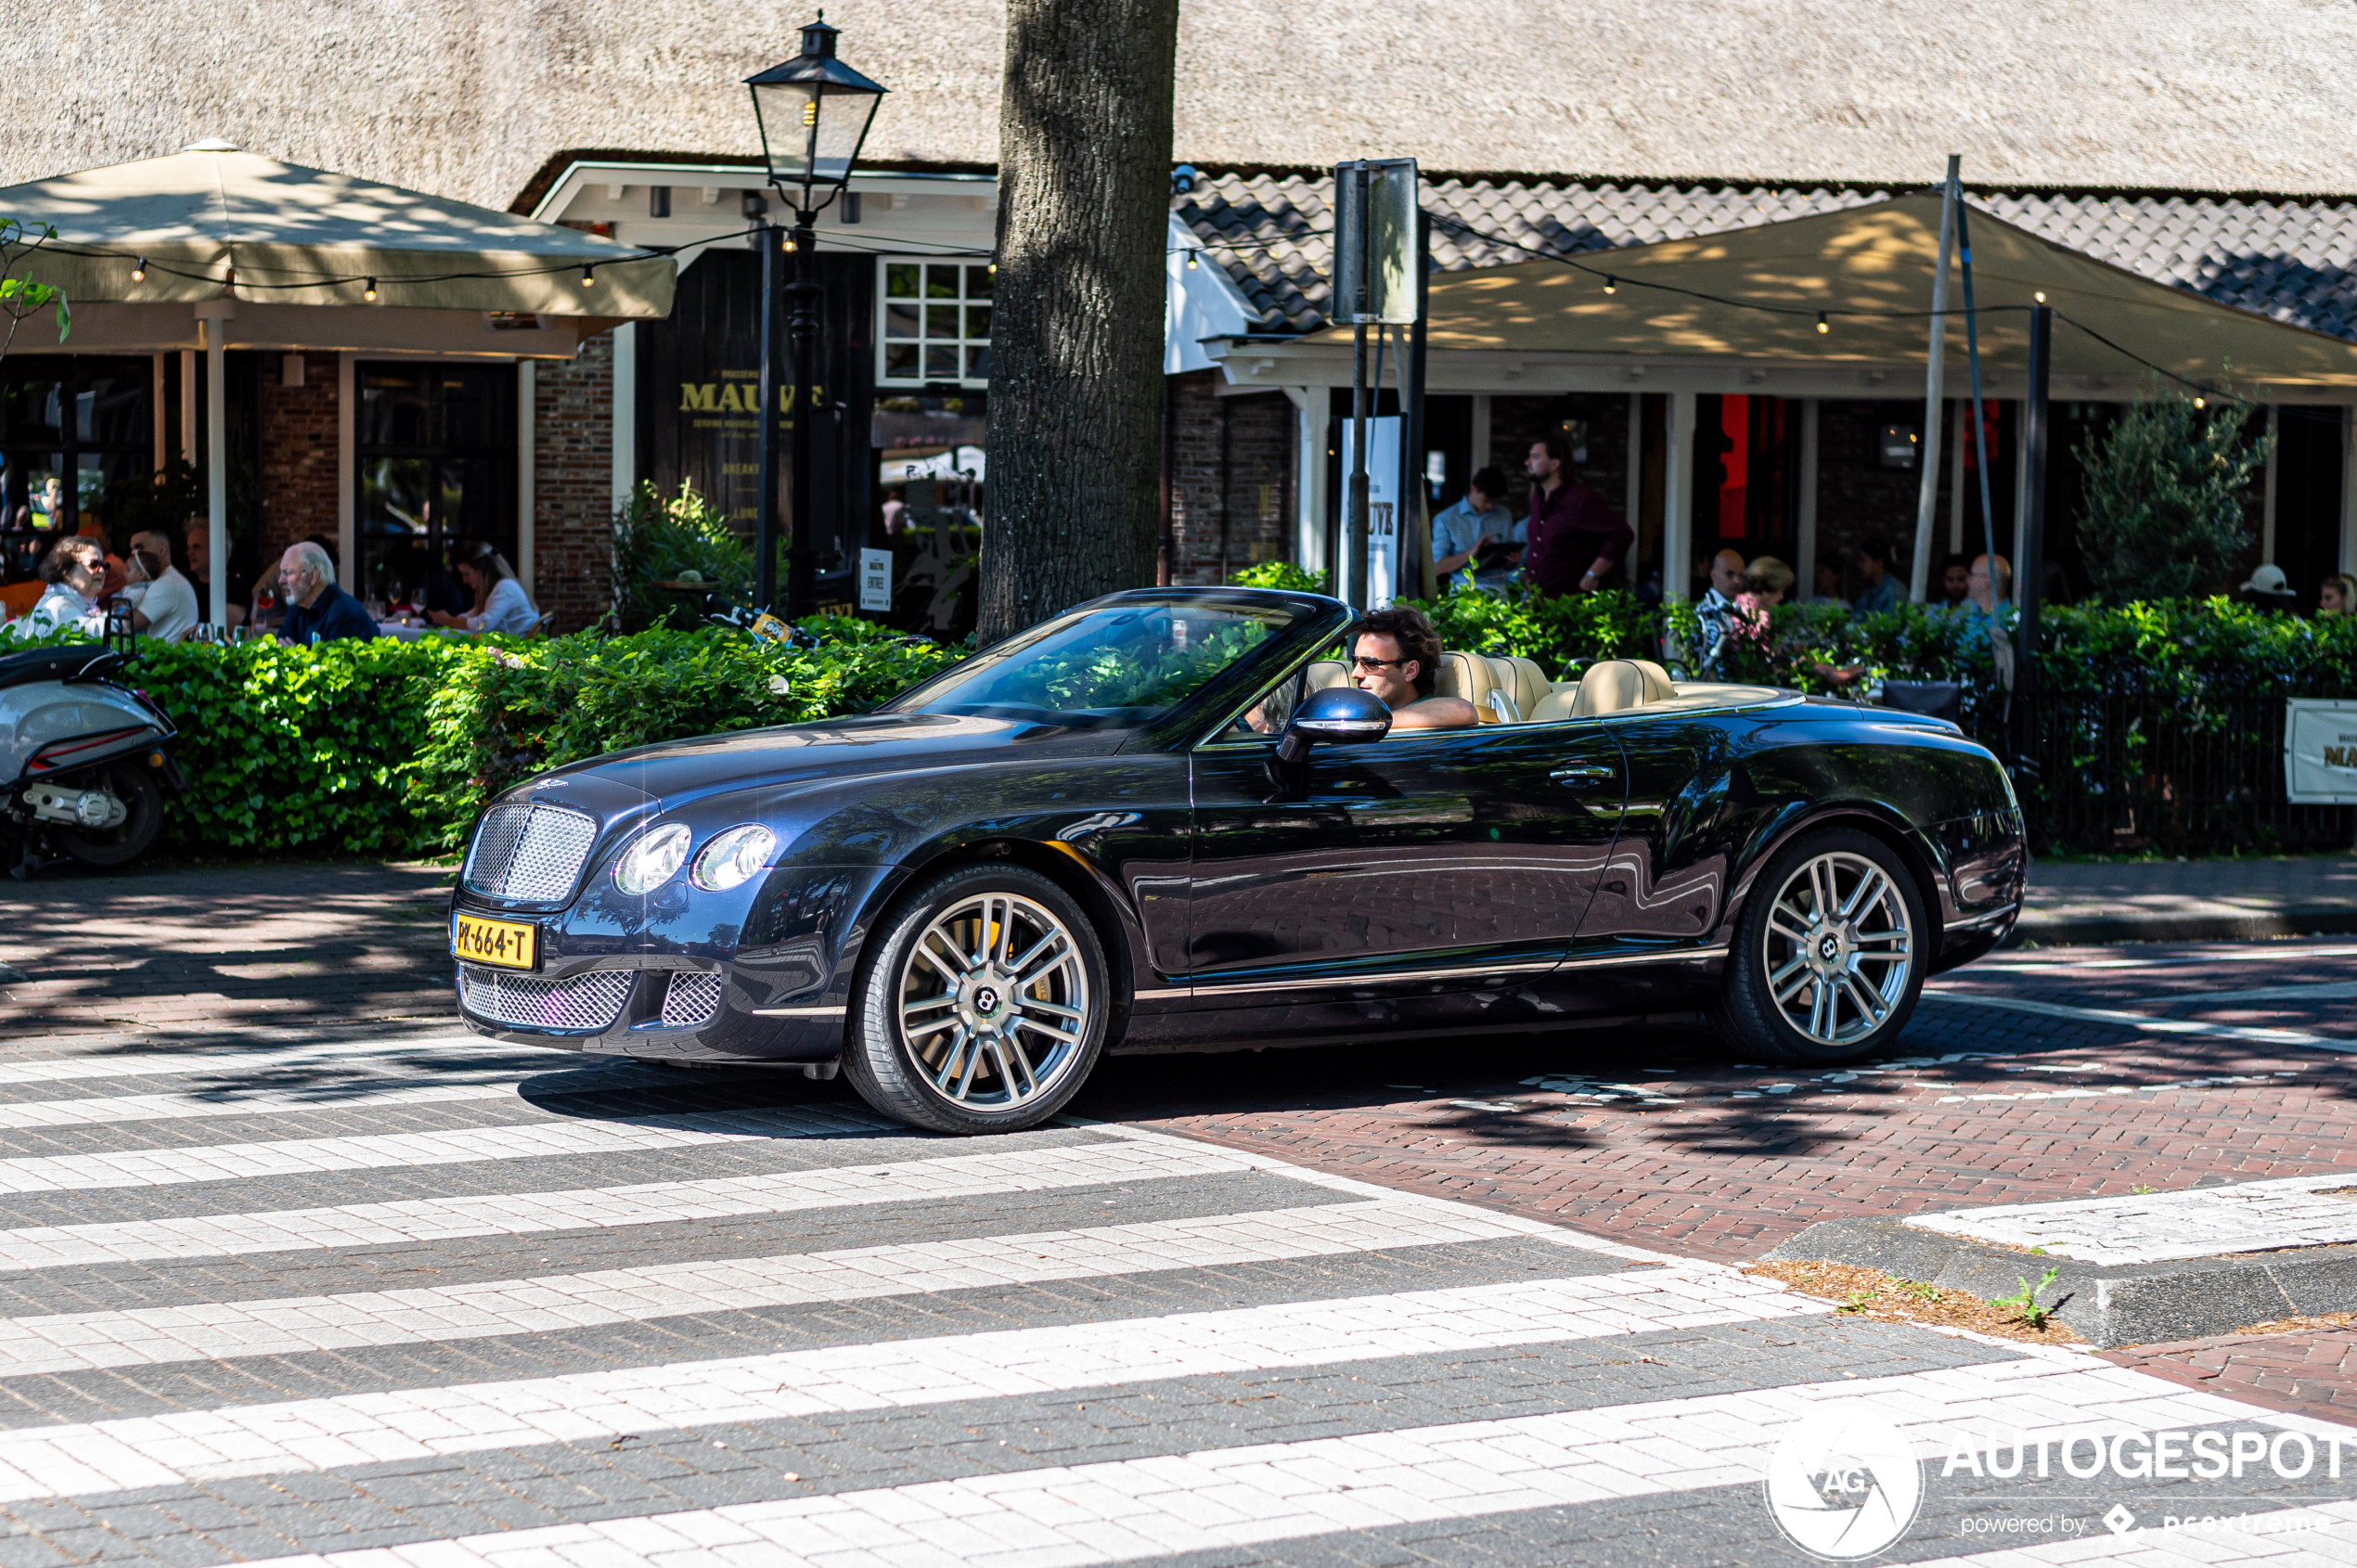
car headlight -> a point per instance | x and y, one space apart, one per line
733 857
653 860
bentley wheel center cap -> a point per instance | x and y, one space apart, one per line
1829 947
985 1000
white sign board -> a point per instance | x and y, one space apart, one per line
2320 752
1383 508
875 579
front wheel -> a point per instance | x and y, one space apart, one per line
984 1005
1828 958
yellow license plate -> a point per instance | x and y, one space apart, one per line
508 943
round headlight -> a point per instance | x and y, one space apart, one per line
653 860
733 858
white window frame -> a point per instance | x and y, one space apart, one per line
885 378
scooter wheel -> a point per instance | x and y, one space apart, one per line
135 786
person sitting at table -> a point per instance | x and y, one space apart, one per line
75 570
199 535
316 610
163 603
503 606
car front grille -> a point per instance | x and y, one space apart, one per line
589 1000
694 997
534 852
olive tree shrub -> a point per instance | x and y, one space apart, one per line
2165 489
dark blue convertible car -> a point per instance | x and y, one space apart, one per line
1164 821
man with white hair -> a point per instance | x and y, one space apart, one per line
316 610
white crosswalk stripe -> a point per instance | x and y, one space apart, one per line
150 1336
526 1213
375 1428
1230 1498
1425 1363
247 1162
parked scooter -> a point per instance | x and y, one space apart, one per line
84 768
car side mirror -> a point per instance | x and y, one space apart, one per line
1339 715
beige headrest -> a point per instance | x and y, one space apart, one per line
1520 679
1659 688
1611 686
1324 673
1468 675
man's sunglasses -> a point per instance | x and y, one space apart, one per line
1371 665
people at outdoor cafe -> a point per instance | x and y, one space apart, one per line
1576 535
163 603
75 570
1460 532
316 610
198 534
1882 593
2339 595
501 605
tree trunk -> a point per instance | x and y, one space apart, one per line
1076 339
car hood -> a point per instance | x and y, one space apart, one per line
675 773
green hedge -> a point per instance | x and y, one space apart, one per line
383 748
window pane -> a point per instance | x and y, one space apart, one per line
397 407
978 281
900 360
34 485
112 410
941 283
479 408
977 321
900 321
900 280
35 410
978 362
941 362
941 321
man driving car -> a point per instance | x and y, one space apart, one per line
1396 654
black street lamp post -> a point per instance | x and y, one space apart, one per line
814 113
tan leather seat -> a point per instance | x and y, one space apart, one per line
1324 673
1611 686
1659 688
1521 680
1469 675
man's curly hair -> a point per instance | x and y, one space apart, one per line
1407 626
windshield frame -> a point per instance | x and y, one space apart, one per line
1316 620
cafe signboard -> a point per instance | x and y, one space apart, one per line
2320 752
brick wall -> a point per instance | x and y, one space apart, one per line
298 452
1259 478
573 487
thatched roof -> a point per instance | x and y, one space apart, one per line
469 98
2295 262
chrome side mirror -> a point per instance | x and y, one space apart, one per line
1339 715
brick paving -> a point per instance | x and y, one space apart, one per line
2312 1373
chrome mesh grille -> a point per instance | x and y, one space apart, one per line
694 997
530 851
589 1000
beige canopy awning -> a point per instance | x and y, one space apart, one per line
283 256
1879 257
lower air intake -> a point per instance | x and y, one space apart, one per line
590 1000
694 996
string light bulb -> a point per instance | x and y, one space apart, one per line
2201 402
993 269
368 291
1612 284
787 245
1191 260
588 275
1821 326
139 270
2040 296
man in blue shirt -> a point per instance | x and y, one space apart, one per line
316 610
1882 592
1459 531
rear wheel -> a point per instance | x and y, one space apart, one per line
130 825
1828 958
984 1007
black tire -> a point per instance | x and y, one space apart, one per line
946 1033
1813 992
135 786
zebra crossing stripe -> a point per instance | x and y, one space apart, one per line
1229 1498
419 1423
172 1064
446 1219
152 1336
529 1140
111 1109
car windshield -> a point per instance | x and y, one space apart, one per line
1116 666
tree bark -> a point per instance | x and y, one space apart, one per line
1075 340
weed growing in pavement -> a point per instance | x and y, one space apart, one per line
2142 1191
2029 1311
1860 1300
1850 1290
1922 1290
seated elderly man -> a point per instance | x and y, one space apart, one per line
1396 654
316 610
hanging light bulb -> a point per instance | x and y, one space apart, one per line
2201 402
1191 260
993 269
1612 284
2042 296
1821 323
368 292
139 270
787 245
588 275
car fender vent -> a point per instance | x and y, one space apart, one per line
530 852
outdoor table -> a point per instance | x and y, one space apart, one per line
405 632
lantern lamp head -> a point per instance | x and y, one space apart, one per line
814 113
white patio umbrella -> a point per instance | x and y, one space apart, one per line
213 247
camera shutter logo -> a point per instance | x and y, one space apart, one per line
1842 1483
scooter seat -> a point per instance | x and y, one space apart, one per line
68 661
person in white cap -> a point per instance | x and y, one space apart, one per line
2269 589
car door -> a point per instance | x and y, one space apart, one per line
1441 859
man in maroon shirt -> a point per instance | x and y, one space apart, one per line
1576 536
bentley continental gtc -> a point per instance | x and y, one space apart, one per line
1165 822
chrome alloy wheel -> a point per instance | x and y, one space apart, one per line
1839 947
994 1002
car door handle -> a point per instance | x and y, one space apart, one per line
1584 773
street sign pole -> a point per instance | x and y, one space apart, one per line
1376 259
2031 538
1357 556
